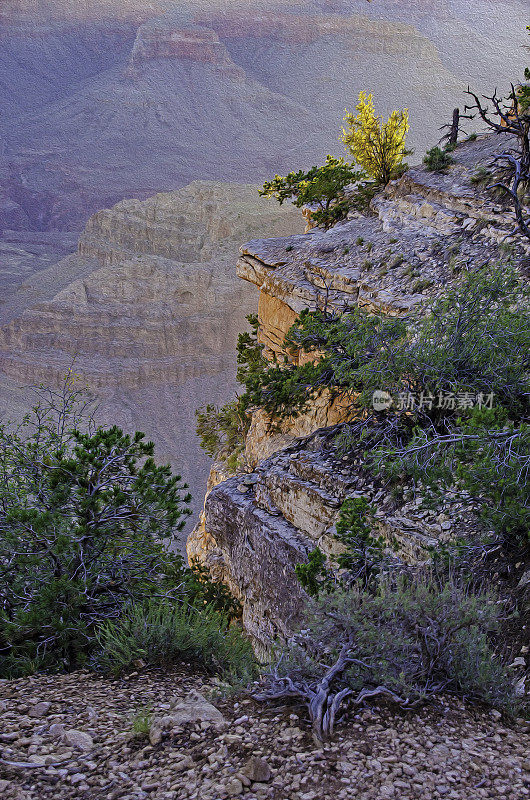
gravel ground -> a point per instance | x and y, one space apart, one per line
71 737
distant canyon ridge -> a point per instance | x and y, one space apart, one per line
133 139
103 99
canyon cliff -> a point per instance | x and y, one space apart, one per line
146 313
258 524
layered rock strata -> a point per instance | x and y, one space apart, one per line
197 43
256 527
147 313
158 303
424 228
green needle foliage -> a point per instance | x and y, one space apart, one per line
85 520
322 189
437 160
474 343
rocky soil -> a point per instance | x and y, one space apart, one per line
72 737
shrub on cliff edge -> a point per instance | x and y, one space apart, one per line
322 190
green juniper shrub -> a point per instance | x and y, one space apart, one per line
314 576
222 432
86 517
471 347
485 454
163 633
83 518
362 557
363 554
437 160
322 189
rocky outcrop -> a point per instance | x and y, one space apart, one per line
423 226
256 527
162 39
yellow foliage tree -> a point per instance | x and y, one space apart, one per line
377 146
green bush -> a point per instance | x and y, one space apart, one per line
162 633
485 454
362 558
322 189
222 432
141 723
437 160
409 640
472 346
364 553
85 520
314 575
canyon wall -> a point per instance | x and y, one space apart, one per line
258 524
106 101
147 313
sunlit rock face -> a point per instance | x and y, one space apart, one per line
146 313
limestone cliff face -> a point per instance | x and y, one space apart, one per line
159 303
256 527
147 313
363 34
162 39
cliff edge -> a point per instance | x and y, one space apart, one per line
423 229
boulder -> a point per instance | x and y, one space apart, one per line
194 708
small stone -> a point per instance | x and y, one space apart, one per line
249 480
242 489
77 778
56 731
8 737
234 787
517 662
79 739
257 769
150 786
36 759
184 763
39 710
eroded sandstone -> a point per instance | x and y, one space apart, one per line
423 230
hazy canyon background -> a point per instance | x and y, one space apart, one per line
162 117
